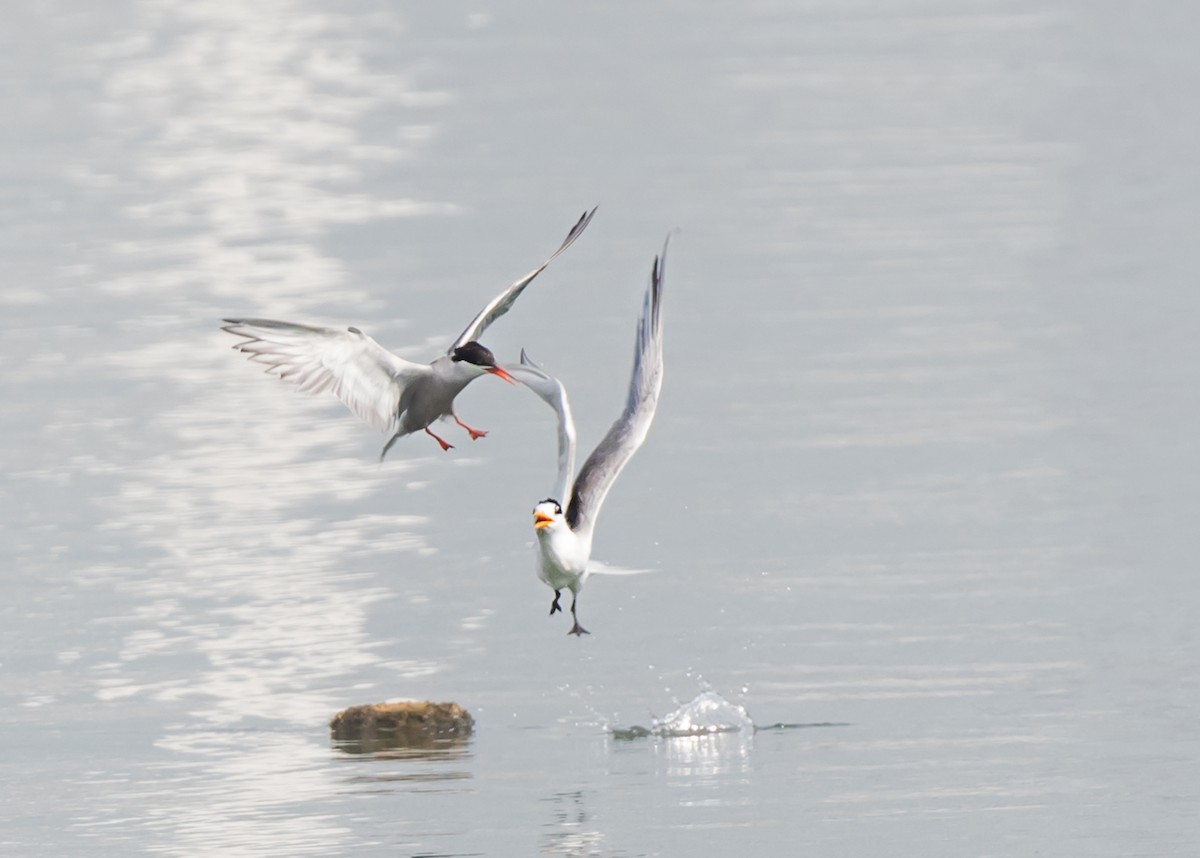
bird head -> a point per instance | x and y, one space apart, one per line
548 516
480 358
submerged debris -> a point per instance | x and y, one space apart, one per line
409 723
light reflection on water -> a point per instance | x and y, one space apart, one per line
707 761
235 114
231 792
573 831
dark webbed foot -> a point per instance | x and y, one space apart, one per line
576 629
554 606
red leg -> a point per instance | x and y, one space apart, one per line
445 446
475 434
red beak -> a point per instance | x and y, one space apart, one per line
498 371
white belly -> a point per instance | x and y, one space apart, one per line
561 560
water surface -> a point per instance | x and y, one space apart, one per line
919 479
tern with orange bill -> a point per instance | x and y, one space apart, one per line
565 522
381 388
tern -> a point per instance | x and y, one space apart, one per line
381 388
564 538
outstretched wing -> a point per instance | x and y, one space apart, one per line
502 302
359 371
627 434
551 390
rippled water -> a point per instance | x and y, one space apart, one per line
920 482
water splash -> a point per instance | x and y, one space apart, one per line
707 713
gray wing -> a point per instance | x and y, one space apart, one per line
502 302
363 374
551 390
627 434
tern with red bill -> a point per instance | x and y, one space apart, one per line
564 523
381 388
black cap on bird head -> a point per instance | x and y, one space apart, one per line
475 353
482 357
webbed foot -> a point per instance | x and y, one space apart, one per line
475 434
446 445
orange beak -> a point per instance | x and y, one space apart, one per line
540 520
502 373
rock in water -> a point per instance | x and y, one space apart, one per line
410 723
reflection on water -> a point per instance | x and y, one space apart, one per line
405 746
251 130
706 763
231 140
231 113
222 791
380 766
572 831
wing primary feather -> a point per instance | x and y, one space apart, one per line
626 435
362 374
504 301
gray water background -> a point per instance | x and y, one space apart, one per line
923 468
